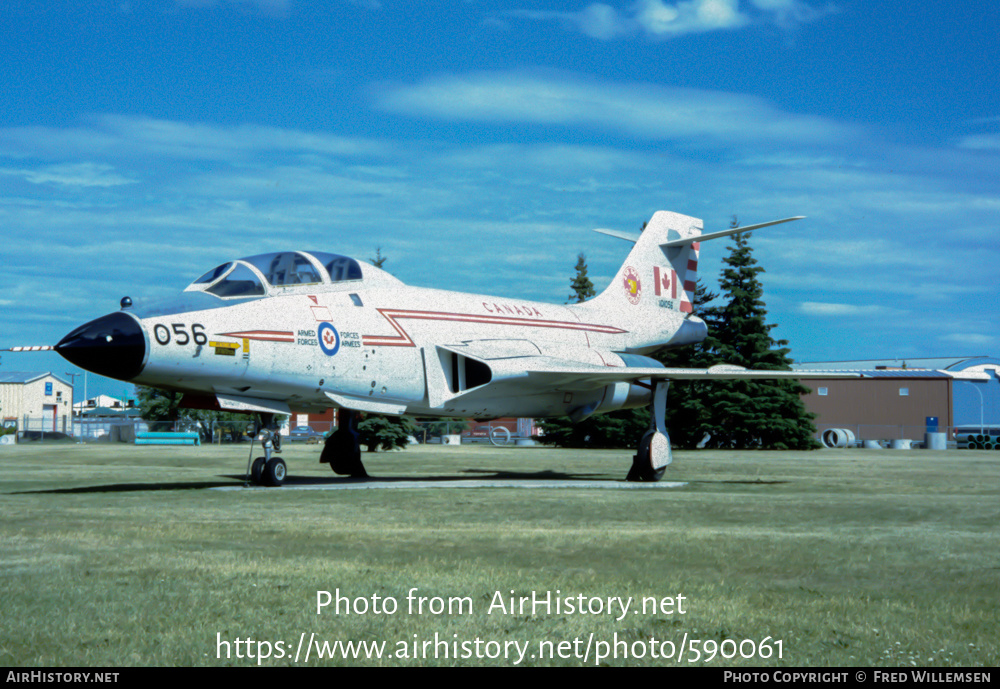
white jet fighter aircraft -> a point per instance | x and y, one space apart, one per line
307 330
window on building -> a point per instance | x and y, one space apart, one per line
904 392
823 392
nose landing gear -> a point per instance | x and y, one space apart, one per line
267 470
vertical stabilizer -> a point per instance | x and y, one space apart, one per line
652 295
654 277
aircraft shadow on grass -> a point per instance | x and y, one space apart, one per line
126 488
463 475
476 475
234 480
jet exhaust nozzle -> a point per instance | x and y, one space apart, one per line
112 345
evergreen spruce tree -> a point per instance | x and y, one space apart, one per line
380 432
765 414
583 288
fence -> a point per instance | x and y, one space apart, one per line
985 437
82 430
40 429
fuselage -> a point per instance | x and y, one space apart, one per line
366 340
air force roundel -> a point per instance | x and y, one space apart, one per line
329 339
633 288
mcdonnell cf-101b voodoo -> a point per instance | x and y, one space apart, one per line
308 330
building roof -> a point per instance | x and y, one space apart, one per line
933 363
23 377
906 373
104 401
898 374
979 368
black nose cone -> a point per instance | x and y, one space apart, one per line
112 346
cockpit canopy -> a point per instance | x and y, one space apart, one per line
255 275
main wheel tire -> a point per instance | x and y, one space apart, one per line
257 471
642 465
275 472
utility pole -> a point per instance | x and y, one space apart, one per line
72 405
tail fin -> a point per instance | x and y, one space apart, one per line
661 270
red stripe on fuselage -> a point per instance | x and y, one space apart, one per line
402 339
263 335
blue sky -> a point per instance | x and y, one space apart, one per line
477 143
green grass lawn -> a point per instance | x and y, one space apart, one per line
116 555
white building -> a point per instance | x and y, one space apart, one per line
36 401
102 401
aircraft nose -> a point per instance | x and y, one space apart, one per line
112 345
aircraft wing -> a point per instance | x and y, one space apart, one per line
564 376
519 367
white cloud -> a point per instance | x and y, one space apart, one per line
971 339
599 21
981 142
647 110
813 308
657 19
126 136
72 175
787 13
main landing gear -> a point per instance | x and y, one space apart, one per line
342 450
267 470
651 459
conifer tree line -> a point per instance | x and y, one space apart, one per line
737 414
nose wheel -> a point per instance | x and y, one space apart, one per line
257 471
267 470
275 471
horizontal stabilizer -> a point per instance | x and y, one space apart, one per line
725 233
627 236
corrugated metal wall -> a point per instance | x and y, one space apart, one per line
877 407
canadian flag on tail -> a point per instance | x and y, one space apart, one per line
664 280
